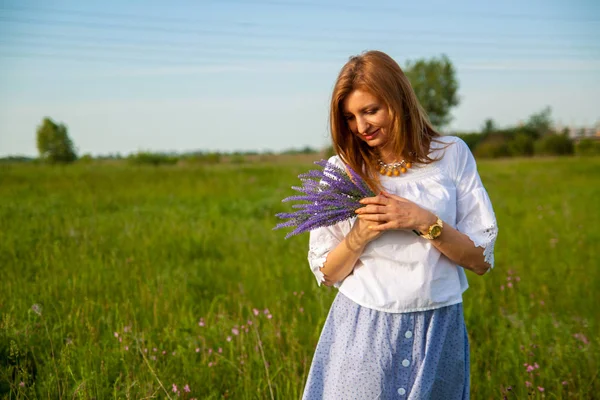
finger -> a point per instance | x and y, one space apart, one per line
392 196
371 209
388 226
374 217
375 200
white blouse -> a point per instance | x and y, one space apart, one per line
400 271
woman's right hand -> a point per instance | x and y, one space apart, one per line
361 235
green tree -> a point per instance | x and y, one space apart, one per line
54 144
540 124
489 126
434 82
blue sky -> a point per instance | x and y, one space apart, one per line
257 75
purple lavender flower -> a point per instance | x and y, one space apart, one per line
327 197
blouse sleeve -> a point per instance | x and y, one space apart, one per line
475 215
321 242
324 239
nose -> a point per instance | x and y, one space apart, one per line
362 125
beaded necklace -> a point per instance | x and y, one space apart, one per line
393 169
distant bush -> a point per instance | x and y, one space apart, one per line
554 145
329 152
237 159
471 139
18 159
493 146
521 145
588 147
86 159
204 158
304 150
146 158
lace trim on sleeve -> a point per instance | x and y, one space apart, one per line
486 239
317 257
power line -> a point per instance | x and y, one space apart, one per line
180 44
174 48
246 24
337 8
219 66
387 10
244 35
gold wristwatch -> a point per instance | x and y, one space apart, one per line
434 230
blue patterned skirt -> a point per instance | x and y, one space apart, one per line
369 354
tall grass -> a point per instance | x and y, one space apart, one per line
135 281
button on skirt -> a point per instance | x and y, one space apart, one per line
368 354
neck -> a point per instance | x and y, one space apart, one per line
388 156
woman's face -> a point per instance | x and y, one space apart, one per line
367 117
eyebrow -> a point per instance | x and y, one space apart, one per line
365 108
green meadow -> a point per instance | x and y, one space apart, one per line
139 282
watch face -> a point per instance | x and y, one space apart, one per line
436 231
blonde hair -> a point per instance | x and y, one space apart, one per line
411 133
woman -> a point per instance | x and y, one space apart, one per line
396 328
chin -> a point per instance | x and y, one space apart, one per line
374 143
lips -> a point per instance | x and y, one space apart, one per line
371 135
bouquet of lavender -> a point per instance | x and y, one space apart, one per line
328 196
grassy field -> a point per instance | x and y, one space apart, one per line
143 282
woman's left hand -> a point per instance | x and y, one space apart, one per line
395 212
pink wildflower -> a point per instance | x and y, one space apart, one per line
229 338
565 382
509 284
249 322
197 349
541 389
22 384
581 337
527 383
266 311
175 388
235 331
530 368
220 350
186 388
255 311
116 334
126 348
269 316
